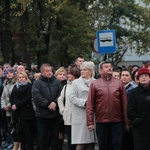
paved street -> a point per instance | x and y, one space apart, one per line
65 146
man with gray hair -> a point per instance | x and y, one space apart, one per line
107 100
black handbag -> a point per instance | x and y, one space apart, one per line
16 130
65 94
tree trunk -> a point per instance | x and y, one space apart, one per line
6 42
23 36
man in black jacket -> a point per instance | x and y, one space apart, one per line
45 92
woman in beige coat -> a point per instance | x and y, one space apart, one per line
9 84
81 136
65 107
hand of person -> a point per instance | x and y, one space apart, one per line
14 107
52 106
128 128
6 108
91 127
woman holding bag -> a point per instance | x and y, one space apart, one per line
65 107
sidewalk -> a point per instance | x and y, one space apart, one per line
65 145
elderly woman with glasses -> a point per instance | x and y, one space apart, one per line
138 110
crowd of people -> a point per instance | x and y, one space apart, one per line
109 109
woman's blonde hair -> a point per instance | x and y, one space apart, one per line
58 71
25 75
36 75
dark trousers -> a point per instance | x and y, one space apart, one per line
104 129
28 134
128 140
68 132
48 128
4 125
0 129
8 135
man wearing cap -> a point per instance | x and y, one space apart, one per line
108 101
138 110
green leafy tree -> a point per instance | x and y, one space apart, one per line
71 35
127 19
56 31
48 31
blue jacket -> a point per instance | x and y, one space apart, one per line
130 86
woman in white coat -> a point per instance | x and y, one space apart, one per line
81 136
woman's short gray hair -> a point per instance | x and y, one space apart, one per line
89 65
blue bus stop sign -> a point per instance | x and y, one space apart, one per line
106 40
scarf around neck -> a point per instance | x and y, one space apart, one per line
21 84
88 81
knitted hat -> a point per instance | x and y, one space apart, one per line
10 70
143 71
